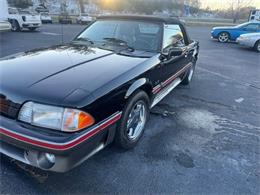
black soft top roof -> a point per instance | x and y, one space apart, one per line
166 20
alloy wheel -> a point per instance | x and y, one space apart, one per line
223 37
136 120
14 26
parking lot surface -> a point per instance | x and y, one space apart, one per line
203 138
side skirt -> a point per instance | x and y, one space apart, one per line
164 92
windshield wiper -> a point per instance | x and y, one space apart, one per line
84 39
119 42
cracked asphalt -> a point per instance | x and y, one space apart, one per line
201 139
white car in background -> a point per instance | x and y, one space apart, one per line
23 19
251 40
46 18
84 19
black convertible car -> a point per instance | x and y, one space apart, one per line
61 105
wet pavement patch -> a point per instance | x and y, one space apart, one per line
33 172
185 160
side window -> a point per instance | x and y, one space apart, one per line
173 37
251 27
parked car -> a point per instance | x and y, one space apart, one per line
65 19
21 19
46 18
251 40
84 19
5 26
70 101
225 34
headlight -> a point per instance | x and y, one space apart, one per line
57 118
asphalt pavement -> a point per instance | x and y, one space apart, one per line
201 139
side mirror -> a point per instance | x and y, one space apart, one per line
173 52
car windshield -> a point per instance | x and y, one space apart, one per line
137 35
24 12
27 12
241 25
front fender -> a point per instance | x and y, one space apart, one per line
136 85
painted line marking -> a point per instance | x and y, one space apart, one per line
49 33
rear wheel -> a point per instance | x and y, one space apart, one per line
15 26
257 46
133 122
223 37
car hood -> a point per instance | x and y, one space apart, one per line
61 74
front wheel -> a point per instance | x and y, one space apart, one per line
257 46
15 26
133 122
223 37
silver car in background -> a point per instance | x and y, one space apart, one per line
251 40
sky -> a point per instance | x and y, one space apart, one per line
222 4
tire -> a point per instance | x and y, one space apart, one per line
127 137
189 75
223 37
15 26
32 28
257 46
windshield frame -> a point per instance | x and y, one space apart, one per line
160 24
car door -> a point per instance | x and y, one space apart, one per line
176 51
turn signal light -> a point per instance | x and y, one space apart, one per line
75 120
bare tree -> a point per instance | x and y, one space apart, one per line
82 5
236 6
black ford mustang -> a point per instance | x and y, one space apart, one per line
61 105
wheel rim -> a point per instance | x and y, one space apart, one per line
258 46
223 37
14 28
136 120
191 73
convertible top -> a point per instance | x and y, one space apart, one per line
166 20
